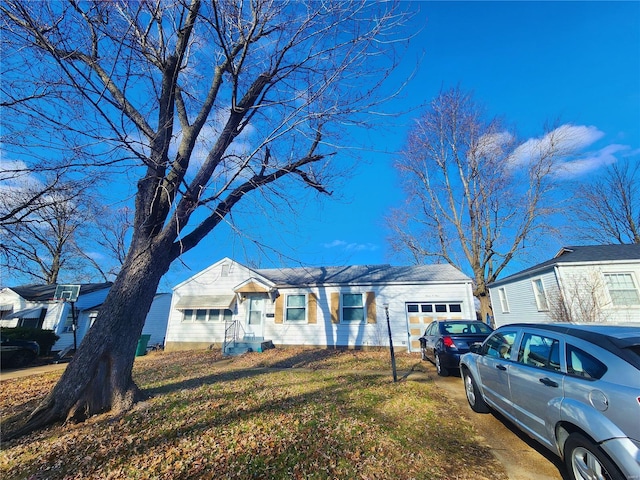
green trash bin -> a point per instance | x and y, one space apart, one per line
142 345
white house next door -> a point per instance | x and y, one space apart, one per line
255 316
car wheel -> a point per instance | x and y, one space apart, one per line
442 371
476 402
586 461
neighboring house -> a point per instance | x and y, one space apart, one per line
35 306
315 307
155 324
598 283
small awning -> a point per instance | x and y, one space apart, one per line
222 302
27 313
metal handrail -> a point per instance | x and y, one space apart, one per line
236 326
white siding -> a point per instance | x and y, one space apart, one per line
522 302
323 333
582 285
211 281
588 282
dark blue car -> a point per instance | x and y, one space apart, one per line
445 340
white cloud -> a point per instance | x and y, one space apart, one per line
565 140
590 162
351 247
492 144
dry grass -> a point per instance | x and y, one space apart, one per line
282 414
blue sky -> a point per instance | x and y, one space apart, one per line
534 63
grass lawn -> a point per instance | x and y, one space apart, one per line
282 414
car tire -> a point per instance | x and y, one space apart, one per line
442 371
585 460
476 402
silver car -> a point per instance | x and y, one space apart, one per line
575 388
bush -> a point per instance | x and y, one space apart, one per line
45 338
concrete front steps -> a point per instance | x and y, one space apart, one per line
252 344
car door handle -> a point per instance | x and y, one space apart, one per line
501 367
548 382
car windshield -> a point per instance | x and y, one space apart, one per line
459 328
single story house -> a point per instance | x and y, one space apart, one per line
594 283
36 306
332 307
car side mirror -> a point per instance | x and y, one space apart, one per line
476 348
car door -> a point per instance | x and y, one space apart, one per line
431 335
536 381
493 368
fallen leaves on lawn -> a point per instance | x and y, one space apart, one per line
282 414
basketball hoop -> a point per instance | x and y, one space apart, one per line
67 293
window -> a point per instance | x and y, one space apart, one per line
538 351
581 364
201 315
499 345
412 308
206 315
541 297
441 308
622 289
504 304
426 308
352 307
296 309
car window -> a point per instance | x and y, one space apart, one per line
540 351
499 344
430 330
581 364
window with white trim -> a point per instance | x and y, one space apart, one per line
540 294
352 308
504 303
296 309
623 290
200 315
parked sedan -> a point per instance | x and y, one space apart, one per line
575 388
445 340
17 353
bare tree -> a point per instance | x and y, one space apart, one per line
42 224
203 103
580 298
473 193
608 208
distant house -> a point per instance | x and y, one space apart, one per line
35 306
597 283
315 307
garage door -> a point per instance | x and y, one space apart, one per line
421 314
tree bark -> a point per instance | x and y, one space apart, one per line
99 377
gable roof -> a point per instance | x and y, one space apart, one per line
582 254
362 275
43 293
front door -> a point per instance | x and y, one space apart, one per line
255 316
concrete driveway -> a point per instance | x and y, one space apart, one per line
523 458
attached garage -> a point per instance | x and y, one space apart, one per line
332 307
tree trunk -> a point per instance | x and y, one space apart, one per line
485 307
99 377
